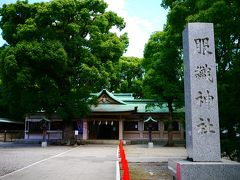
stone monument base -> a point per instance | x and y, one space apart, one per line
188 170
150 145
44 144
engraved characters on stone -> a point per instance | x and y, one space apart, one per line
203 72
202 46
205 126
204 98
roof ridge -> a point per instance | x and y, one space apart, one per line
111 95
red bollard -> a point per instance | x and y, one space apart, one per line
124 162
125 170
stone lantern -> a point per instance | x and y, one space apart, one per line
150 122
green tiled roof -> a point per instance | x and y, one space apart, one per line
124 96
112 108
5 120
126 102
104 91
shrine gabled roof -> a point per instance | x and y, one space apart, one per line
125 102
109 96
149 119
108 102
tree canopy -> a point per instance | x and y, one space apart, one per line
163 52
56 54
128 76
225 15
163 80
163 64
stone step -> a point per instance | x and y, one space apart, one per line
99 141
27 141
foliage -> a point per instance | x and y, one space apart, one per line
225 15
56 54
231 149
163 78
129 76
163 64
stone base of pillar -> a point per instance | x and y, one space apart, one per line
188 170
44 144
150 144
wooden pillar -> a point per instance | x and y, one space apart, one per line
140 129
25 132
85 129
161 129
120 129
28 129
5 136
181 130
27 126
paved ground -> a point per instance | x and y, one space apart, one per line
88 162
151 163
141 153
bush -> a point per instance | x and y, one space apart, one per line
231 149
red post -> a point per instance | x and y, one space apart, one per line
178 173
124 162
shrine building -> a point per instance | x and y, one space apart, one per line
117 116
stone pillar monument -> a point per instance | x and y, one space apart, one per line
201 110
201 101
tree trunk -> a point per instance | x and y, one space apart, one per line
68 135
170 125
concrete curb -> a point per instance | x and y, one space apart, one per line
117 166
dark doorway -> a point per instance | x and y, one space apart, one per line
103 130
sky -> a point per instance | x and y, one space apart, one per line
142 17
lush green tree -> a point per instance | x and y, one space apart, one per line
163 79
4 111
129 76
56 54
225 14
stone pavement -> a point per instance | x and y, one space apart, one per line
87 162
141 153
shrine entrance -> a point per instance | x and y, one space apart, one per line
103 130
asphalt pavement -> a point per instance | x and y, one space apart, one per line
141 153
86 162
